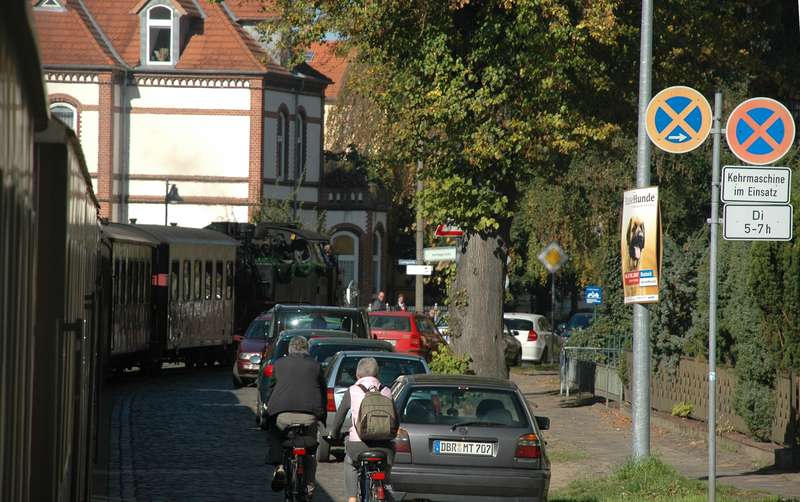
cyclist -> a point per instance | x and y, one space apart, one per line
367 377
298 396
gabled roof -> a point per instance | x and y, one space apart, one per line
71 37
251 10
89 32
325 59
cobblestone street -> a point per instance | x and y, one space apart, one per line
189 435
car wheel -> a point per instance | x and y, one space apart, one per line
323 450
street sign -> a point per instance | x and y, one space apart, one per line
406 261
552 257
678 119
449 231
765 185
439 254
419 270
593 295
744 222
760 131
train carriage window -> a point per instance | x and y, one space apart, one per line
228 280
174 280
197 275
218 281
187 280
209 284
117 281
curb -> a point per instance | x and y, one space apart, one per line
763 453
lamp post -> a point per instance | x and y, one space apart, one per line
171 196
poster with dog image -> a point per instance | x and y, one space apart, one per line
641 245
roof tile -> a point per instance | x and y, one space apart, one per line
251 10
326 60
68 37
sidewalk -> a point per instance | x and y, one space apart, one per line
587 439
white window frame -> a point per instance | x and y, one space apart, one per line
44 5
160 23
74 111
280 138
346 258
377 259
300 146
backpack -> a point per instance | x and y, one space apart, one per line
377 418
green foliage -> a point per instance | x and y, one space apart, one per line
445 362
682 409
650 480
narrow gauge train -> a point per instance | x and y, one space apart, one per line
172 294
278 263
50 301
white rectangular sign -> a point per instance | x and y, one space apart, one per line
447 253
744 222
764 185
419 270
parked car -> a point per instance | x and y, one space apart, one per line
252 343
341 374
289 317
408 332
578 321
512 346
467 438
532 331
322 345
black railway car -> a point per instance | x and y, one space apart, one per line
131 253
193 279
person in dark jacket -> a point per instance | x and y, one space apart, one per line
379 303
298 396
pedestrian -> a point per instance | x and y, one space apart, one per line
401 303
379 304
328 256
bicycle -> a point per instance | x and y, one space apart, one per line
295 454
371 476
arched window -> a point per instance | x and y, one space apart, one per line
66 113
282 157
345 248
376 262
159 35
300 141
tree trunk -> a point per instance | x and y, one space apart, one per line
476 304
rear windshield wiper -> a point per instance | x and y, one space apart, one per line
474 422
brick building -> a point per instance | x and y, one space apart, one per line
182 92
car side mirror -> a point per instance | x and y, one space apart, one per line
543 423
237 338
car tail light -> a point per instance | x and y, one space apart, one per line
402 443
528 447
533 335
331 401
268 371
378 475
299 452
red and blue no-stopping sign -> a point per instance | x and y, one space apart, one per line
760 131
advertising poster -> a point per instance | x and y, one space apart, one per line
641 245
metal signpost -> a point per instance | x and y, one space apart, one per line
419 270
765 185
445 253
552 257
406 261
745 222
760 131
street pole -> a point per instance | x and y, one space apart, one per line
641 316
552 315
712 304
419 301
166 203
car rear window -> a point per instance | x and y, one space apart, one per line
388 370
448 405
519 324
326 351
390 323
349 321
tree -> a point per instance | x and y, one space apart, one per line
488 94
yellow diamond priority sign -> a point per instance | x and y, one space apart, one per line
552 257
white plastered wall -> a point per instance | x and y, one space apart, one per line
336 217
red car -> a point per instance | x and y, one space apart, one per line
408 332
251 344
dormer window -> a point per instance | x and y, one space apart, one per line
159 35
49 4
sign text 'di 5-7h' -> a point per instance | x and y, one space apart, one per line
765 185
747 222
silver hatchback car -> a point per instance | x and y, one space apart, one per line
467 438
